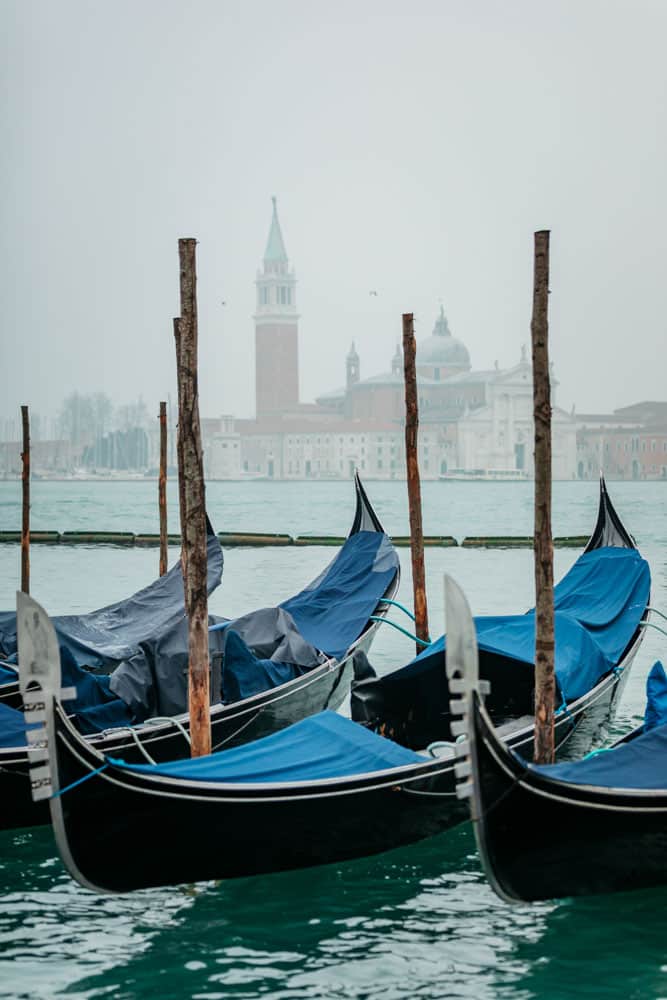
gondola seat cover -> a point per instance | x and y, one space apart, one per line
244 674
639 764
94 708
333 610
7 674
656 697
14 727
102 639
325 745
598 606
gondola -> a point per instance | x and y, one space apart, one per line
325 789
322 629
601 604
99 641
598 825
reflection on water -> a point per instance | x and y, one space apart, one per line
419 922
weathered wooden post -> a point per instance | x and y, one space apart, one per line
179 449
25 523
545 682
193 507
414 489
162 489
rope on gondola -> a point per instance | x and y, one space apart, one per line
397 604
80 781
386 621
648 608
236 732
652 625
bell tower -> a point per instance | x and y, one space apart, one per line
276 329
352 367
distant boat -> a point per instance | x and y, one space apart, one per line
486 475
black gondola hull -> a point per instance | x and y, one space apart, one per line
541 839
120 831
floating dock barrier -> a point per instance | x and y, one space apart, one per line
231 539
97 538
257 539
430 541
520 542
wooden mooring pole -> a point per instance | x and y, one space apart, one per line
545 682
193 506
162 489
25 523
414 489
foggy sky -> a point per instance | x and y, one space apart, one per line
414 148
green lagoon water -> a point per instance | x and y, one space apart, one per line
419 922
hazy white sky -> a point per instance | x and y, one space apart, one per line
414 148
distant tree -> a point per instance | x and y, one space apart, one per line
84 418
132 415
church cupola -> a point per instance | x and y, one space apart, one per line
352 367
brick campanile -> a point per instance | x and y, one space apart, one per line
276 329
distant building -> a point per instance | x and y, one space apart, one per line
630 443
470 421
222 450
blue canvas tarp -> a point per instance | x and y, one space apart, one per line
8 674
331 612
598 606
102 639
272 645
656 697
326 745
641 763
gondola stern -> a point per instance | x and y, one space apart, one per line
609 529
365 518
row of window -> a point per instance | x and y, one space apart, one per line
635 445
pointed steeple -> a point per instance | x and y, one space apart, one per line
275 245
352 366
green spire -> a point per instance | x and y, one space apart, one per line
275 246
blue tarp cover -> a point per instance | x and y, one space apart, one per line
332 611
641 763
102 639
326 745
266 648
13 727
598 605
656 697
8 675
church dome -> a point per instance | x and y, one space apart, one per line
443 349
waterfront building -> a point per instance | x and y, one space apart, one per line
630 443
470 420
